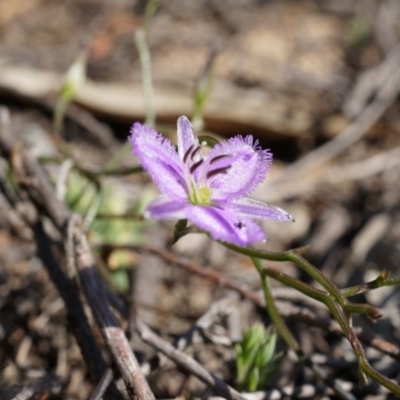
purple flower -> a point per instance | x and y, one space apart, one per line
208 189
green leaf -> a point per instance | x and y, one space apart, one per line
254 378
267 352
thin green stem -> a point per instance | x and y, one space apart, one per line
322 297
297 259
365 368
297 284
287 336
384 279
315 293
372 373
340 316
294 256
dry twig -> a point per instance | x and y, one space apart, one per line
186 362
35 184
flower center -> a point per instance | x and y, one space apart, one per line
199 171
200 196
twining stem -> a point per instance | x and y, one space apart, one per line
297 259
303 287
294 256
384 279
338 313
320 296
287 336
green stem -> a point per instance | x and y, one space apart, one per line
287 336
317 294
384 279
365 368
338 313
296 258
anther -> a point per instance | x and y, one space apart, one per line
195 152
217 158
195 166
217 171
187 154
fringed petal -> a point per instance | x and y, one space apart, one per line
235 167
225 225
249 208
158 156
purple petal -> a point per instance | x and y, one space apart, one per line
163 207
224 225
249 208
248 167
186 136
158 156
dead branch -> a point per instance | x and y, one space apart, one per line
113 334
186 362
34 182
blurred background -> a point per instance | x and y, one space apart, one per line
317 82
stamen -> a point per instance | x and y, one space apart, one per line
195 166
195 152
239 225
217 171
217 158
187 154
